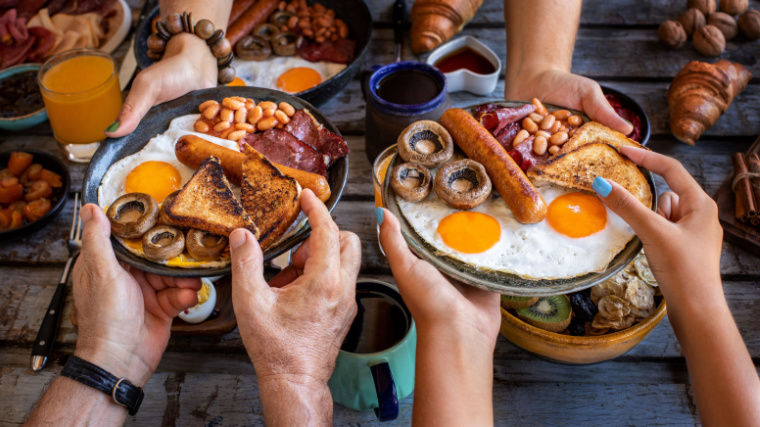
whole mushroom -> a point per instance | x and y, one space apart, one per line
705 6
749 24
709 41
733 7
692 20
725 23
671 34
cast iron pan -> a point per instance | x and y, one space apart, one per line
156 122
354 13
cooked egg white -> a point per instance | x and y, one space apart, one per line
205 306
492 239
290 74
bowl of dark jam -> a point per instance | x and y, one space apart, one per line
468 64
21 105
627 107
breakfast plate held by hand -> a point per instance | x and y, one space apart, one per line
179 184
575 244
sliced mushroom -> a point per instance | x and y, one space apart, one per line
281 18
163 242
162 211
462 184
411 181
205 246
285 43
266 31
425 142
253 48
132 215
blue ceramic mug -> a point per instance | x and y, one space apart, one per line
375 366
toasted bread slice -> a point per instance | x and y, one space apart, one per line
206 202
271 198
592 132
577 169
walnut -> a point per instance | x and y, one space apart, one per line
705 6
671 34
692 20
725 23
734 7
749 24
709 41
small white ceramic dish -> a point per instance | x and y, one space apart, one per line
466 80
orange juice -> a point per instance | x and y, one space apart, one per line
379 169
82 96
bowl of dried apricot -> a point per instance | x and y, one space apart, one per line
589 326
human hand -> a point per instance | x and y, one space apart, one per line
682 241
457 312
124 315
294 326
568 90
187 65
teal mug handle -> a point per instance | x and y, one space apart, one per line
385 387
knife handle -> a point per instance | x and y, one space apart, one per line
399 17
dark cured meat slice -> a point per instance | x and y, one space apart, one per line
29 8
507 134
340 51
42 45
307 129
279 146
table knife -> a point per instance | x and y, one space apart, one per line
399 21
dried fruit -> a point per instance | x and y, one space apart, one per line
583 307
608 287
613 308
577 327
641 264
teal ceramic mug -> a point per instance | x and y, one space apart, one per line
375 366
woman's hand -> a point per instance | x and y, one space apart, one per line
124 315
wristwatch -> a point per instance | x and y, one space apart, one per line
122 391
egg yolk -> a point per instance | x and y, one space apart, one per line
298 79
469 232
237 81
158 179
577 215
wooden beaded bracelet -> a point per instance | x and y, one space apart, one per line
178 23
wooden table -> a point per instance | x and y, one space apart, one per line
210 380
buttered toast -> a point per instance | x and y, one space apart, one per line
578 168
592 132
207 203
271 198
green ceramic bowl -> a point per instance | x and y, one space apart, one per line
28 120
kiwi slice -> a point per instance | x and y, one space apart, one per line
508 301
550 313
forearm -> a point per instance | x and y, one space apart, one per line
724 378
453 380
70 403
540 35
291 401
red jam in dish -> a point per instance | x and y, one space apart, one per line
628 115
466 58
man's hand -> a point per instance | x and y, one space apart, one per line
294 326
123 315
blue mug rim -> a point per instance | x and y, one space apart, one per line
386 70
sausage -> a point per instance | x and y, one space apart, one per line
509 180
238 8
255 15
191 150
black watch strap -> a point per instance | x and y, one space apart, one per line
121 390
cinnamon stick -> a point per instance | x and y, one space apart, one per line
753 164
745 203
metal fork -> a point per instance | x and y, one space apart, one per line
43 344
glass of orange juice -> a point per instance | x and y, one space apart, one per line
81 92
379 170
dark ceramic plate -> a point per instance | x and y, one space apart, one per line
631 104
496 281
156 122
354 13
53 164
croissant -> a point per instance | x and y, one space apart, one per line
435 21
700 93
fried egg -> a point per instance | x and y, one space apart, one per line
205 306
290 74
579 235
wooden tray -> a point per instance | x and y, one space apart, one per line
737 233
222 324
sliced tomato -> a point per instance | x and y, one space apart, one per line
51 178
37 209
32 173
19 161
38 190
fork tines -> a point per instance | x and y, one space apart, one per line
76 221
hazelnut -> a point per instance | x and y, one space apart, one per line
749 24
705 6
671 34
733 7
709 41
725 23
692 20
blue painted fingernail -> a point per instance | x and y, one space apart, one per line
602 186
380 214
113 126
